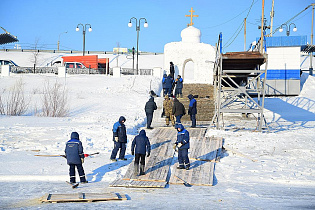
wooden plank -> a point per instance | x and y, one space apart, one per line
150 162
157 166
83 197
139 184
154 167
201 172
102 196
114 182
118 183
202 154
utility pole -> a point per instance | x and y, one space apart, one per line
244 34
262 28
272 14
118 49
311 53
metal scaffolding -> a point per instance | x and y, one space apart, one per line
239 85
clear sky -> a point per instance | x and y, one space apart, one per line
44 21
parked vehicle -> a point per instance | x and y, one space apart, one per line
76 65
87 61
7 62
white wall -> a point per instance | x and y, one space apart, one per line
284 57
180 53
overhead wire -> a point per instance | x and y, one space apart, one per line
303 15
292 18
238 31
231 18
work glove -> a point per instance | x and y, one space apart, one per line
148 155
132 153
82 160
116 138
174 146
179 145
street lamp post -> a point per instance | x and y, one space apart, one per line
59 39
138 29
84 29
133 59
288 28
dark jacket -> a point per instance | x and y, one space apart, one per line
169 81
179 83
74 150
182 137
119 129
178 108
150 106
163 81
141 143
192 105
172 69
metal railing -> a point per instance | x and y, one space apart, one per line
130 71
54 70
75 51
37 70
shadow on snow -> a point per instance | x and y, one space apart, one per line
296 111
100 172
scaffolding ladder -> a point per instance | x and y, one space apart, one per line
238 81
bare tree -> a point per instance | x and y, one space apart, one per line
14 103
55 100
35 54
1 106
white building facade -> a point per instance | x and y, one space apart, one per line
283 70
192 59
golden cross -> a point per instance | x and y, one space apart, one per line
191 16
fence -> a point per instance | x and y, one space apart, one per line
129 71
38 70
54 70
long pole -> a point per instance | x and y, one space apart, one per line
133 59
311 54
245 34
83 41
138 29
262 27
59 39
271 16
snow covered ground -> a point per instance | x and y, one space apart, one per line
276 170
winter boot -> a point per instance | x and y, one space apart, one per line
181 166
72 179
83 179
136 169
187 166
142 170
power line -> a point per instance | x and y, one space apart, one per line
303 15
235 36
238 31
233 17
292 18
